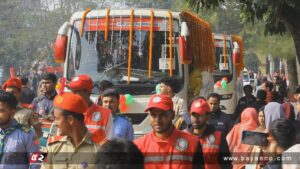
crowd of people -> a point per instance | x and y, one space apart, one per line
95 134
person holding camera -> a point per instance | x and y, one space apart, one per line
281 137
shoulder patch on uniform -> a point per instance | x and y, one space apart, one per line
96 116
28 106
211 139
181 144
54 139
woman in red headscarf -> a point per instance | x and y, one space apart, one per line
249 121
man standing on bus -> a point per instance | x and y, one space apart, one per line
97 119
166 146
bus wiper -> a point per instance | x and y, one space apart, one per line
113 67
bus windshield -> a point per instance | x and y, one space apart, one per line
223 67
108 60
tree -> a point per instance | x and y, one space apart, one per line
10 28
28 29
251 61
162 4
277 16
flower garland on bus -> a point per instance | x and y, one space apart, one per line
224 50
150 43
83 20
239 66
170 42
130 45
106 24
200 43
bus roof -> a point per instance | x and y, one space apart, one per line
144 12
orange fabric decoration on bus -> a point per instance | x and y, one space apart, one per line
150 43
213 40
130 45
240 63
106 25
170 42
83 20
224 50
199 45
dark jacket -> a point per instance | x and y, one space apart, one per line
224 149
243 103
258 104
221 121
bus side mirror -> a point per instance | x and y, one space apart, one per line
61 43
182 44
236 53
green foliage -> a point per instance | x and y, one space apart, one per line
27 32
276 17
263 45
162 4
197 4
272 13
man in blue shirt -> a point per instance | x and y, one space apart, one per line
17 142
122 127
43 104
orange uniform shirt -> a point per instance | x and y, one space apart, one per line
211 148
99 122
177 151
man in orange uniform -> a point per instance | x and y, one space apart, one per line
167 147
97 119
214 145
